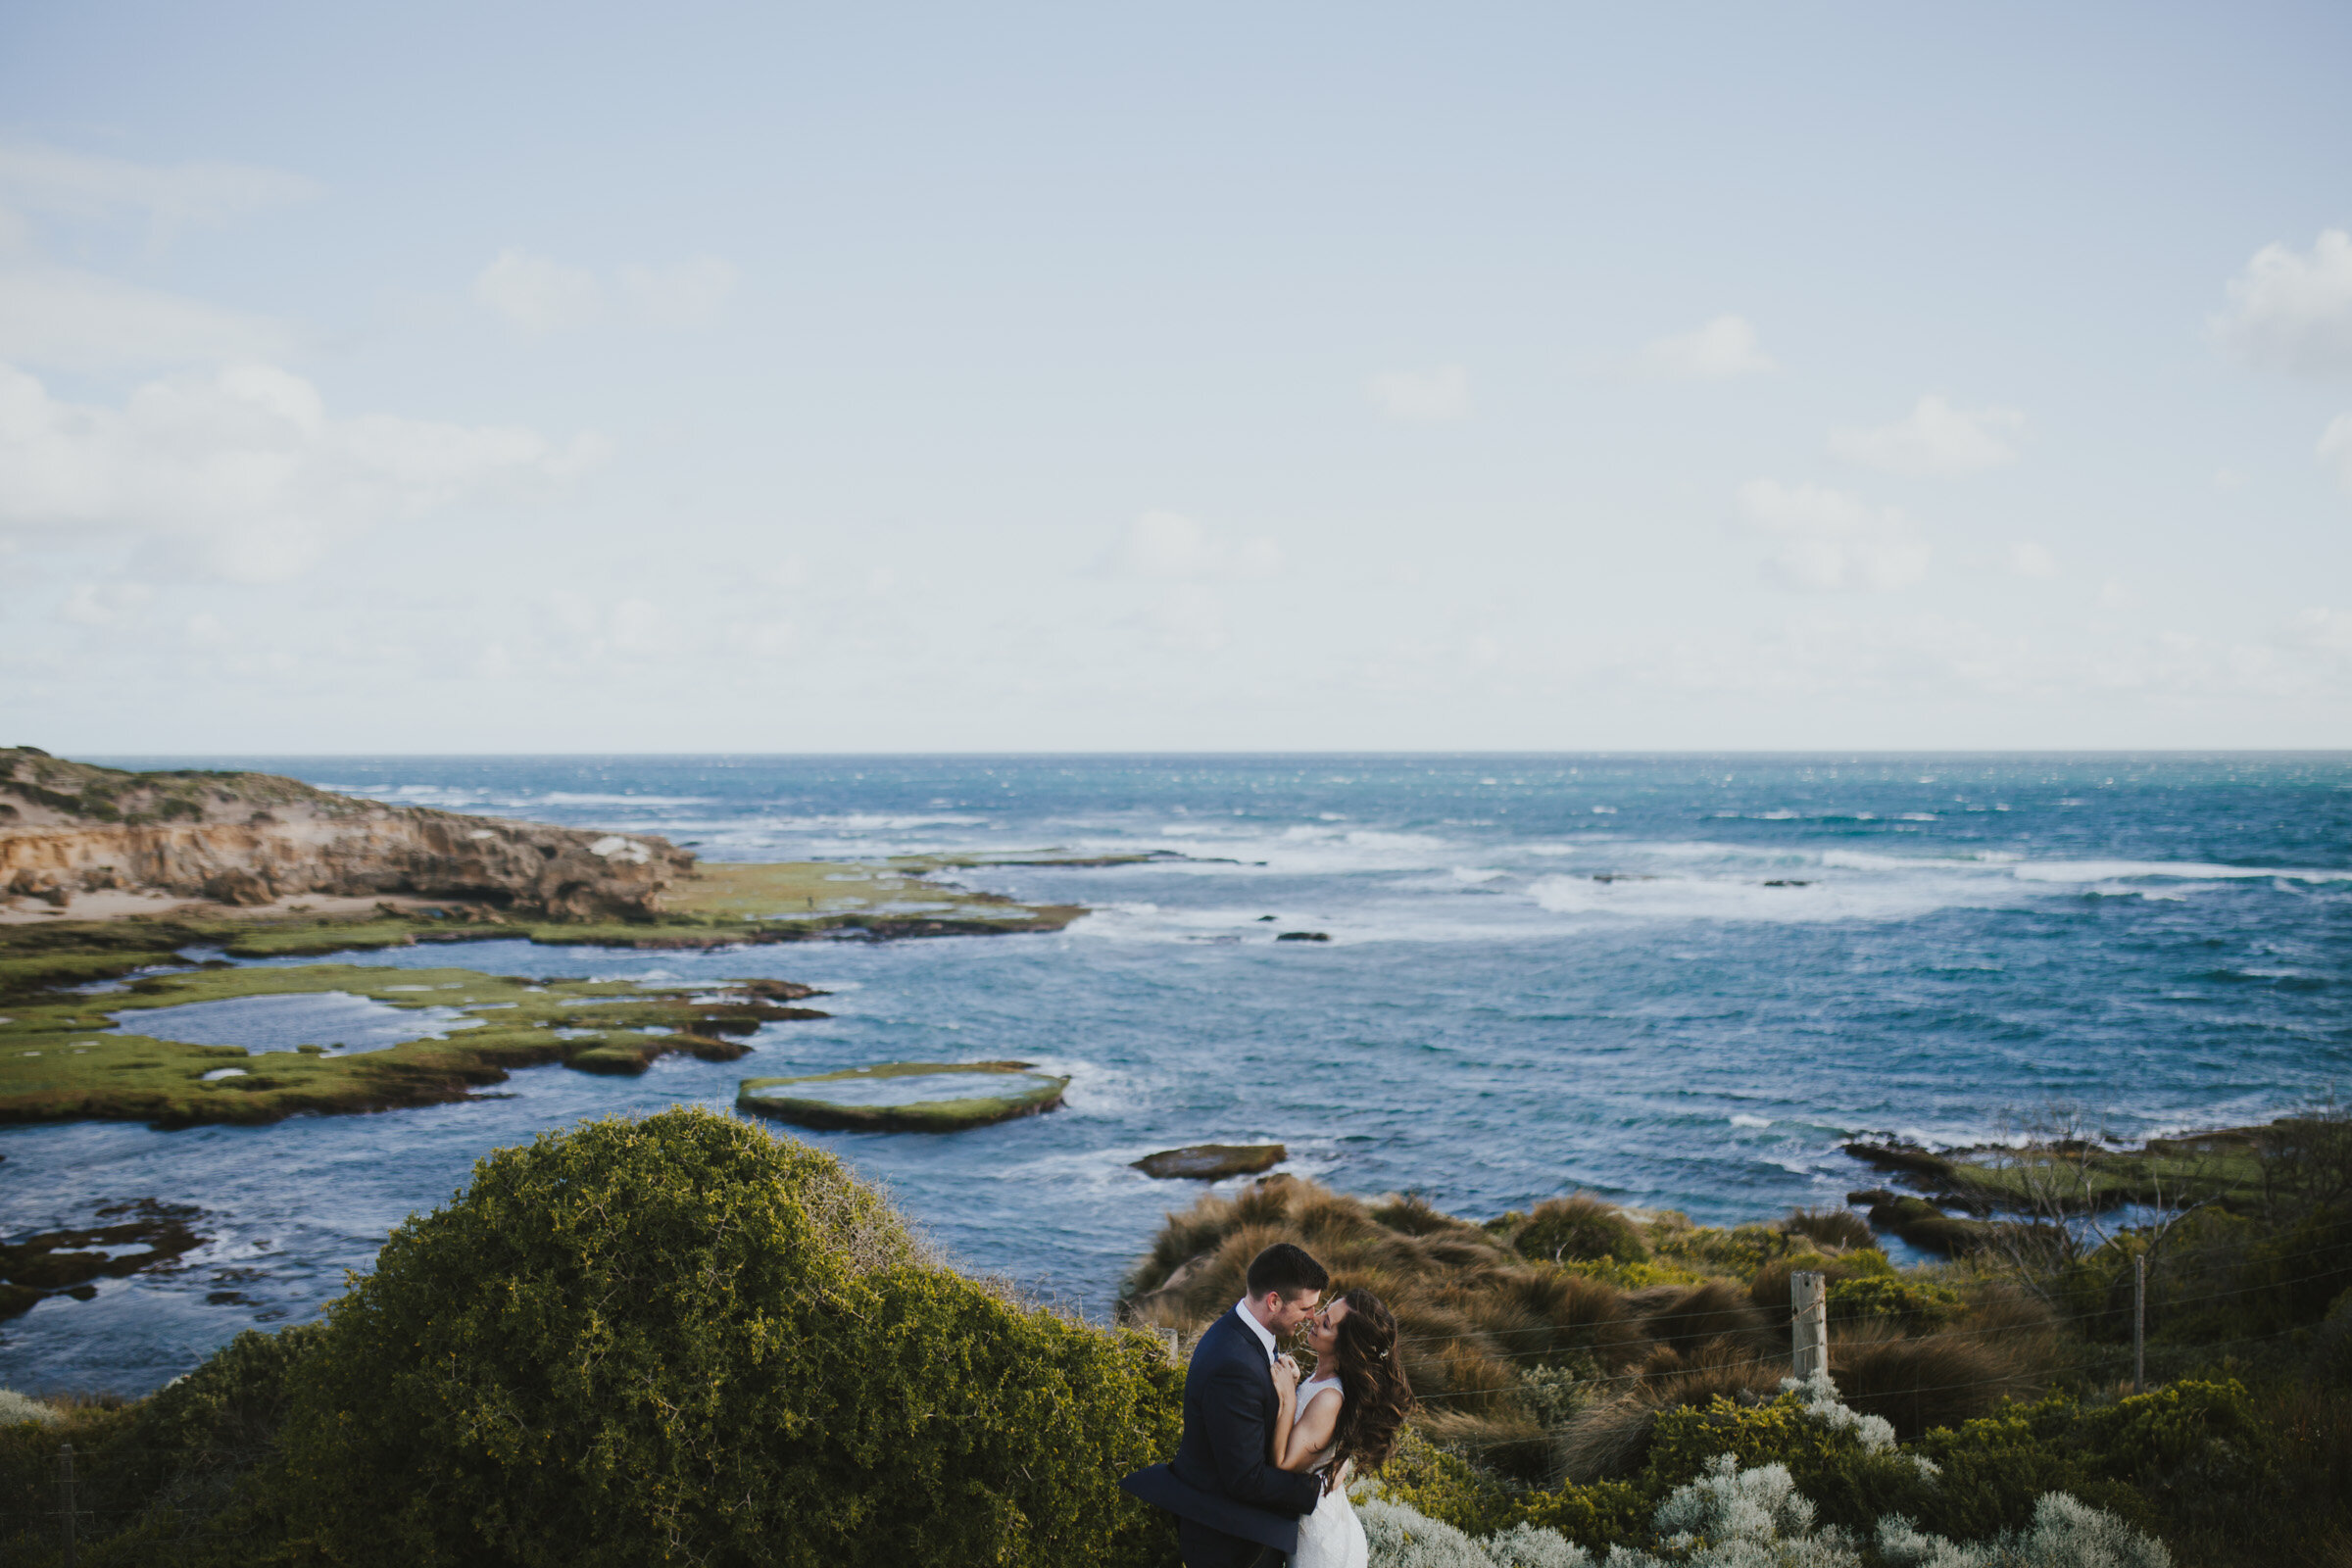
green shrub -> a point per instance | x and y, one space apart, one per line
1850 1469
1830 1227
173 1478
679 1338
1911 1302
1994 1468
1592 1515
1579 1229
1472 1498
1447 1487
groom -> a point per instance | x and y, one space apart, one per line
1234 1508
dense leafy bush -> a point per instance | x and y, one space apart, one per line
1914 1302
681 1339
1577 1229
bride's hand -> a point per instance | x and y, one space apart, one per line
1286 1377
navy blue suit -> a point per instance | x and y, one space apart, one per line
1230 1498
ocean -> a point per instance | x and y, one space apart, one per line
1677 981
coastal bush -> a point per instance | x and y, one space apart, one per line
1768 1284
1578 1229
16 1409
2066 1532
1830 1227
681 1339
1758 1516
1913 1303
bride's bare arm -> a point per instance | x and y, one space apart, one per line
1298 1439
1286 1404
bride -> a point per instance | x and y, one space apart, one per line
1343 1418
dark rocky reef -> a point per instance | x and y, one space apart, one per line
1212 1161
71 1263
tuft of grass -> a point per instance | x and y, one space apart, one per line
1921 1383
1610 1441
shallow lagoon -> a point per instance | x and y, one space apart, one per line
337 1020
1952 941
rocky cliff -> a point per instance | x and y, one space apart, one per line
254 838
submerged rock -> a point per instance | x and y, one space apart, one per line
1212 1161
1304 936
70 1262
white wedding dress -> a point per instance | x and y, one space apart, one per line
1330 1536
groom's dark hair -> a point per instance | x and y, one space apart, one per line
1285 1268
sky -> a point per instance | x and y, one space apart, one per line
510 378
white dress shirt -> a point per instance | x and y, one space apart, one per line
1265 1336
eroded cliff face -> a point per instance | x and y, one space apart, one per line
253 838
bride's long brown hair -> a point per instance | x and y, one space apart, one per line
1374 1395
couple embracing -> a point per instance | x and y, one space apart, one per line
1261 1474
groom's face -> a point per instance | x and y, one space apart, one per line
1286 1313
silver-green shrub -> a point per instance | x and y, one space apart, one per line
1756 1518
2066 1532
16 1409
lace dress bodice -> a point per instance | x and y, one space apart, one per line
1330 1536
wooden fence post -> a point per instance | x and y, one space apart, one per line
1809 1343
2139 1322
64 1486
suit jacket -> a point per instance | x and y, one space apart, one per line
1221 1476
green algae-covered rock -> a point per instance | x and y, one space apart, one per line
905 1097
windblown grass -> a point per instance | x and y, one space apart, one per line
1593 1318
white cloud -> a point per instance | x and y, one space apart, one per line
2325 629
2291 311
243 475
1187 616
76 321
1937 439
79 185
539 295
104 604
1831 541
1427 396
689 294
762 639
2027 558
1724 348
1167 545
2336 449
